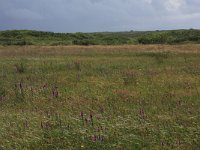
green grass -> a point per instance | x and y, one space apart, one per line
89 99
28 37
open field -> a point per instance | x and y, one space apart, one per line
100 97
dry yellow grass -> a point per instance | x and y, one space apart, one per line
60 50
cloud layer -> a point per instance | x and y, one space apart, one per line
99 15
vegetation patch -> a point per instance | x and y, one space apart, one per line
28 37
99 97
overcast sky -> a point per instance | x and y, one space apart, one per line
99 15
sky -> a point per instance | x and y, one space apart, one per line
99 15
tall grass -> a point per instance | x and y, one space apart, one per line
126 97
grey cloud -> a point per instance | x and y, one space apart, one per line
99 15
23 14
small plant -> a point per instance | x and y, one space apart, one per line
2 93
124 95
77 65
19 92
21 66
158 56
69 65
87 120
78 77
129 77
161 57
55 92
141 113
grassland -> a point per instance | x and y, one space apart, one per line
100 97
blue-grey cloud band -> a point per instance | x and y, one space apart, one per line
99 15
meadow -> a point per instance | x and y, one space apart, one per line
100 97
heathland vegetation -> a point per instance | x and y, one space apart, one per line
28 37
99 97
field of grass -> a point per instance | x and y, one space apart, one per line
100 97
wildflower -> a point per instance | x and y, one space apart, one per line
91 116
141 113
98 129
44 86
41 124
55 92
91 119
94 138
82 146
81 114
86 120
101 109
